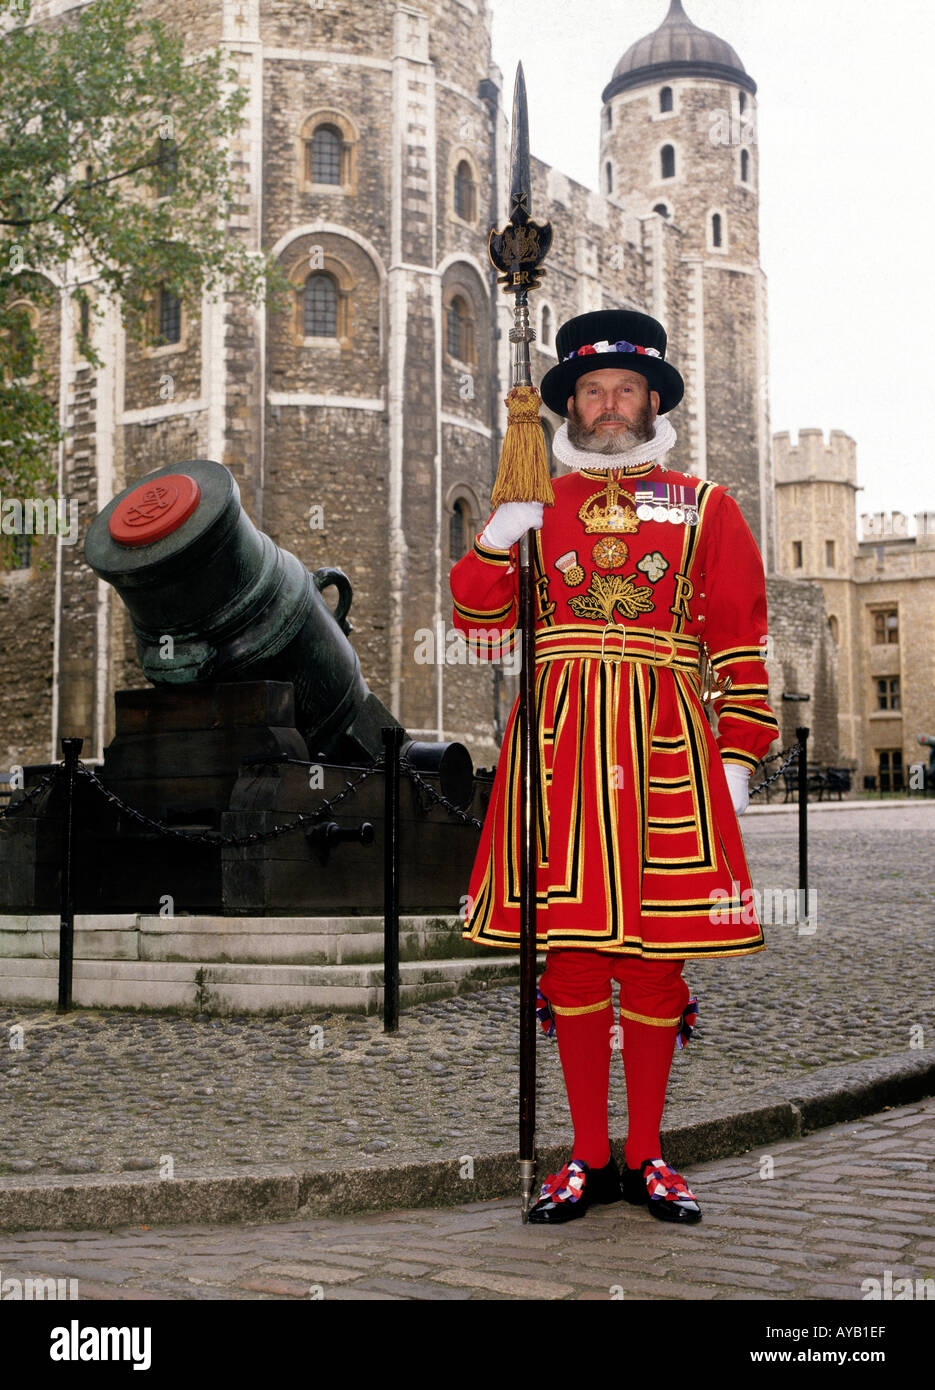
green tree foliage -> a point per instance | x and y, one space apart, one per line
114 156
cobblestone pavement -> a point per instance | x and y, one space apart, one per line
111 1092
821 1217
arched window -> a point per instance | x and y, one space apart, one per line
608 116
668 162
662 210
716 237
545 327
320 306
458 530
167 168
465 192
743 102
665 99
22 345
324 153
608 178
833 625
21 552
459 337
169 316
744 166
547 436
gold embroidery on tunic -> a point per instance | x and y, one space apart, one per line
608 510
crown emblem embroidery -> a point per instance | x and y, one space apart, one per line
611 509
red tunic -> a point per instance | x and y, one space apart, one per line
639 849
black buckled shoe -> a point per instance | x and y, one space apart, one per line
660 1188
567 1195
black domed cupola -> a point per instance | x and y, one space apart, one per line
678 48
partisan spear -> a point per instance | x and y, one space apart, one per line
523 476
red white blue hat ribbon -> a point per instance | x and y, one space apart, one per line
605 346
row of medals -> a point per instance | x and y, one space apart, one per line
610 552
678 515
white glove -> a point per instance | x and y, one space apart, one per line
509 522
738 784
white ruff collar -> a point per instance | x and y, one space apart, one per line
663 440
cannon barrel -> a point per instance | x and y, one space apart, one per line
926 740
213 599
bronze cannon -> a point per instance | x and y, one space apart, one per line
211 598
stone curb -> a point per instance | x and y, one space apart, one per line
829 1095
786 807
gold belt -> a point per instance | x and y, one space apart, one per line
615 643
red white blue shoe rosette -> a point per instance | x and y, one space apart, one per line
565 1186
664 1184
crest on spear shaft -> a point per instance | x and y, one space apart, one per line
518 251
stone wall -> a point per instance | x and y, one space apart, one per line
26 599
802 661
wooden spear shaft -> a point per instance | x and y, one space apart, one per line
523 476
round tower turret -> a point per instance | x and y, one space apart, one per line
678 139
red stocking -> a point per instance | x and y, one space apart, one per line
584 1045
647 1057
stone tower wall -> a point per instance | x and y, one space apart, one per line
723 337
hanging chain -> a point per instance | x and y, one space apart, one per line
214 837
16 806
324 807
406 766
793 756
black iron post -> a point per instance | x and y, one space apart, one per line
392 742
802 736
71 747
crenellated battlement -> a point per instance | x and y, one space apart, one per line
813 460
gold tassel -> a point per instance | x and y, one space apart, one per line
523 475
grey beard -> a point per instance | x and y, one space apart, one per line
616 443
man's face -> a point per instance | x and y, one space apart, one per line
611 411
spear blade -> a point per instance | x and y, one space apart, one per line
520 248
520 182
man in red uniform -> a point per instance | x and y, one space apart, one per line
650 598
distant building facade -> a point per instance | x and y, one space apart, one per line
880 598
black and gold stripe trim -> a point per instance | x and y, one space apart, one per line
737 755
491 556
690 542
732 654
484 614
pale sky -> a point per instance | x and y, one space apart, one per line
845 130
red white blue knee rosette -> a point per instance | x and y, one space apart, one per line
687 1021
